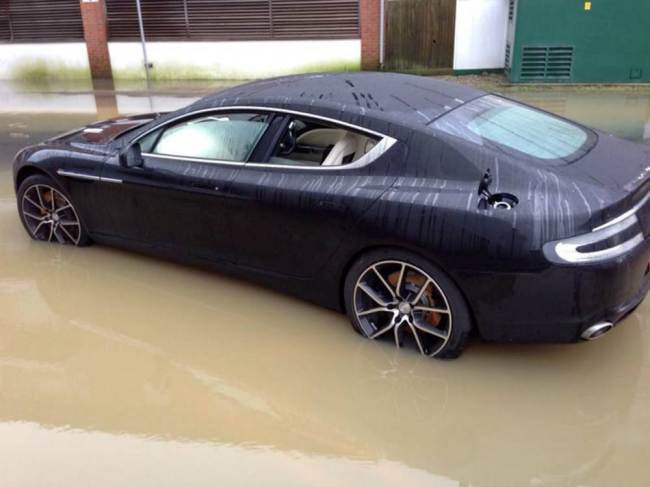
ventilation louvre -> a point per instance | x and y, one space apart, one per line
547 63
40 20
511 10
508 61
223 20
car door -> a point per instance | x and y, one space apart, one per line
177 198
291 211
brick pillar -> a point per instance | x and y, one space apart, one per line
369 12
93 14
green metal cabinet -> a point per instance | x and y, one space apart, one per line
578 41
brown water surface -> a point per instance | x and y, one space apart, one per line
119 369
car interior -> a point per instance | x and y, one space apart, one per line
233 136
307 143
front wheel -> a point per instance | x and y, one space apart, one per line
398 295
48 214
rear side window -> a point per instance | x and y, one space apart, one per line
314 143
223 137
517 130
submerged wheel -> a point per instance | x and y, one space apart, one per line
47 213
395 294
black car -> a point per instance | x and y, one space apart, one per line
425 209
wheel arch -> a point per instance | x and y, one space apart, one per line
27 171
403 248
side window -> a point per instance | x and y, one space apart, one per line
308 142
219 136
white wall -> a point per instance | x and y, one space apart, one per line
67 60
182 60
481 29
233 60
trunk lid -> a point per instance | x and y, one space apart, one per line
616 173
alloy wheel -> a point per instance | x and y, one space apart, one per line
393 297
49 215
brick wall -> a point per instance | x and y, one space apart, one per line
369 11
93 14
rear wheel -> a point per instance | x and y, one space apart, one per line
397 295
48 214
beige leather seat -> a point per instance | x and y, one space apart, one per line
344 143
346 146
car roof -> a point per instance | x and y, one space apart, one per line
389 103
407 100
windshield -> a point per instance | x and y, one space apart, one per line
517 130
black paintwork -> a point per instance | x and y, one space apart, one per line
298 230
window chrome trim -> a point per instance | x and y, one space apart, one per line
375 153
384 144
192 159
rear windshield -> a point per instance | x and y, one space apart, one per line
517 130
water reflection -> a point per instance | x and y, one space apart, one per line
626 114
105 99
120 369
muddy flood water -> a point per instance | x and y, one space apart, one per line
123 370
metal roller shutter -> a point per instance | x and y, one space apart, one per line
235 19
229 20
162 19
315 19
5 26
40 20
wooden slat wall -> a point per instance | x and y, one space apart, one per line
420 34
235 19
229 20
40 20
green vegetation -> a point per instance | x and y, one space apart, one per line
165 73
39 70
172 72
328 67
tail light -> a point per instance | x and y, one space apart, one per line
608 241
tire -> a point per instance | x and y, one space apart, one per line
391 293
48 214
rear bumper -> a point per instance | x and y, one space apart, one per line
617 314
558 303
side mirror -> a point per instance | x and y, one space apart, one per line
132 157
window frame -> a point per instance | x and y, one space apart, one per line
287 118
383 145
185 119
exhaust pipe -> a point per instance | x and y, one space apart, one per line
596 331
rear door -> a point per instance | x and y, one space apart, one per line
291 211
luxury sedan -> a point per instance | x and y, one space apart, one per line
426 210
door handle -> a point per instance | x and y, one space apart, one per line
328 205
